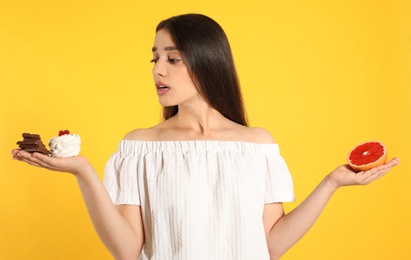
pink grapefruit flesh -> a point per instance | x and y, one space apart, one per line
367 155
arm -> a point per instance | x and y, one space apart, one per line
283 231
120 229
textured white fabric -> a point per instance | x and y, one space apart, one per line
200 199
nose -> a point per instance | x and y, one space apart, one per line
160 69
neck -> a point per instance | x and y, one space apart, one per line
200 118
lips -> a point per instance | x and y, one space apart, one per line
162 88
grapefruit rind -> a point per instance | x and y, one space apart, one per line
360 158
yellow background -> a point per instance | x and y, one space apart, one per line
321 76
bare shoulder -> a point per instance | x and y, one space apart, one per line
231 131
260 135
154 133
143 134
254 134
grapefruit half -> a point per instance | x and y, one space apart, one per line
367 155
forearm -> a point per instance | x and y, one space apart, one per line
113 229
291 227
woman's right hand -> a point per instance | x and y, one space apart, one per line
74 165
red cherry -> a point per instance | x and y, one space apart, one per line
64 132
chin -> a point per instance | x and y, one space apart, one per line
166 103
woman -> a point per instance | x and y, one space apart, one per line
201 184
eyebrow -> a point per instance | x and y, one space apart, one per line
167 48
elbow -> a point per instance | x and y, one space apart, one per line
126 250
132 256
276 250
122 254
275 255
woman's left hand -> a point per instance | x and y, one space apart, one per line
344 175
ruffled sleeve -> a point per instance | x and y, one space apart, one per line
121 178
136 166
279 183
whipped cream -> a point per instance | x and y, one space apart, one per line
65 145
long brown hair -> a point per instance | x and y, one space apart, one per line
207 53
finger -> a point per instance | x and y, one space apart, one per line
31 159
378 174
30 162
379 171
14 151
35 159
385 167
25 157
46 160
20 154
393 162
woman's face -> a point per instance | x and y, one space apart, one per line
172 80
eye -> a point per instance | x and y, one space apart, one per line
154 60
173 61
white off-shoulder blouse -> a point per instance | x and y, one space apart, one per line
200 199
